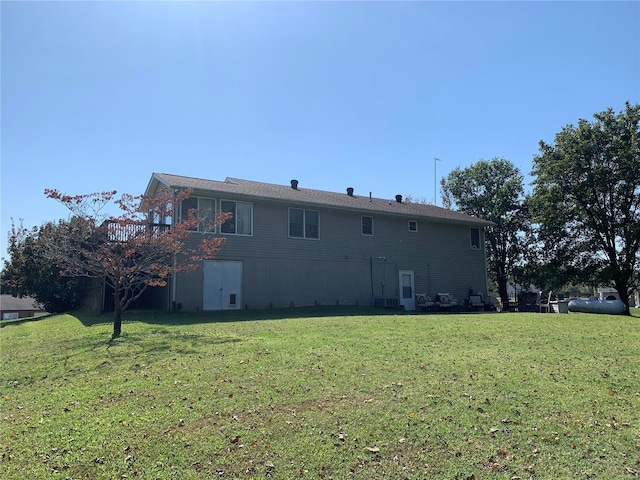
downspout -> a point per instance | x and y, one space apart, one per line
175 218
173 305
371 276
484 252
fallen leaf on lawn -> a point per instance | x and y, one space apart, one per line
373 449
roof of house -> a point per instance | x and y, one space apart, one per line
15 304
287 193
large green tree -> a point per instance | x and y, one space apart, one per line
586 200
30 272
492 190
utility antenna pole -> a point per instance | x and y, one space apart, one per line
435 180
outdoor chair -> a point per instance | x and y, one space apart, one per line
424 302
444 300
545 303
476 303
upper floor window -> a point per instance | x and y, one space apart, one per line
205 209
475 238
241 223
367 225
304 223
163 216
413 226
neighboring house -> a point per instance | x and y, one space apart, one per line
14 307
287 245
610 293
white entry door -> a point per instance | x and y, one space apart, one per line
222 287
407 297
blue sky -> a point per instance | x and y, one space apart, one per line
98 95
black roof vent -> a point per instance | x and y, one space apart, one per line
350 191
294 184
399 198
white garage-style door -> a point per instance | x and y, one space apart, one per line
222 285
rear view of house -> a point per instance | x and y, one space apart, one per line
291 246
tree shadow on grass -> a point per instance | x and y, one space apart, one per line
165 342
226 316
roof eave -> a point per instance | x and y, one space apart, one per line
155 180
470 221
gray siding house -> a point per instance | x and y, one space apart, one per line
287 245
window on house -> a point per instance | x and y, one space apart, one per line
207 213
475 238
413 226
296 223
162 216
367 225
304 223
311 224
167 215
187 204
205 210
241 223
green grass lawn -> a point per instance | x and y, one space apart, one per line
338 393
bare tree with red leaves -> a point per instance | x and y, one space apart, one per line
135 249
